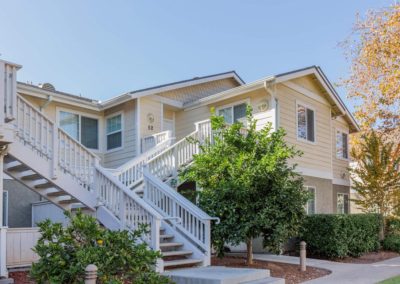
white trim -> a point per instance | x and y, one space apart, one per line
138 125
314 173
121 113
305 92
342 131
162 117
315 198
307 106
80 114
340 181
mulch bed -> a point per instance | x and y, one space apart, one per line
20 277
370 257
290 272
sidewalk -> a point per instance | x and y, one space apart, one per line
344 272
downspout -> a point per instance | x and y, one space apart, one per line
48 101
270 89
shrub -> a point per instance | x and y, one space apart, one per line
340 235
392 226
66 251
392 243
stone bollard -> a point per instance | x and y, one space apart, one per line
303 255
90 274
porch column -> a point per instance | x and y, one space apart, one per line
3 230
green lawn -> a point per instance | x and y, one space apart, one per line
394 280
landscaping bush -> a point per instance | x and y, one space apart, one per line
392 243
340 235
392 226
66 251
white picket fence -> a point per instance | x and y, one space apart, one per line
20 242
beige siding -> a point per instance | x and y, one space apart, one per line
185 120
339 165
316 156
115 158
150 107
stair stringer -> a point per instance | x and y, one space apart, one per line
26 155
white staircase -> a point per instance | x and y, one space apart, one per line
47 160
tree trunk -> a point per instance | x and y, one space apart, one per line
382 229
249 244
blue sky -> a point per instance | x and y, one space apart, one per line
100 49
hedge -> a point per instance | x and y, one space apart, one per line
341 235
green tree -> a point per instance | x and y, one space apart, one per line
66 251
246 181
376 175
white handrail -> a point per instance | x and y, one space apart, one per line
150 141
53 143
194 222
127 206
130 173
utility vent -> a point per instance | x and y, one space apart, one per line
47 87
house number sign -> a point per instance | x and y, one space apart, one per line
150 121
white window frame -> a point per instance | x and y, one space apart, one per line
348 203
348 150
231 105
307 106
307 187
5 216
122 131
79 113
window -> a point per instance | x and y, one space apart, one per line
310 206
114 132
305 123
5 209
234 113
342 150
81 128
342 203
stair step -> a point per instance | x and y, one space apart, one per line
179 262
82 208
44 185
8 159
168 245
57 193
18 168
166 236
176 253
68 201
32 177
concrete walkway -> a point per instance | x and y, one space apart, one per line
344 272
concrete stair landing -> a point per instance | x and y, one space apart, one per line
222 275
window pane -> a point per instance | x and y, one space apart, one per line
239 113
311 201
344 143
69 122
340 203
89 132
114 123
346 204
339 144
114 140
227 114
301 122
310 125
5 209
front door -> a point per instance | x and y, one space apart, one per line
168 124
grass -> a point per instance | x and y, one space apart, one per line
393 280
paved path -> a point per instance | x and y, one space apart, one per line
344 272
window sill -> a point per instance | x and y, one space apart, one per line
306 141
